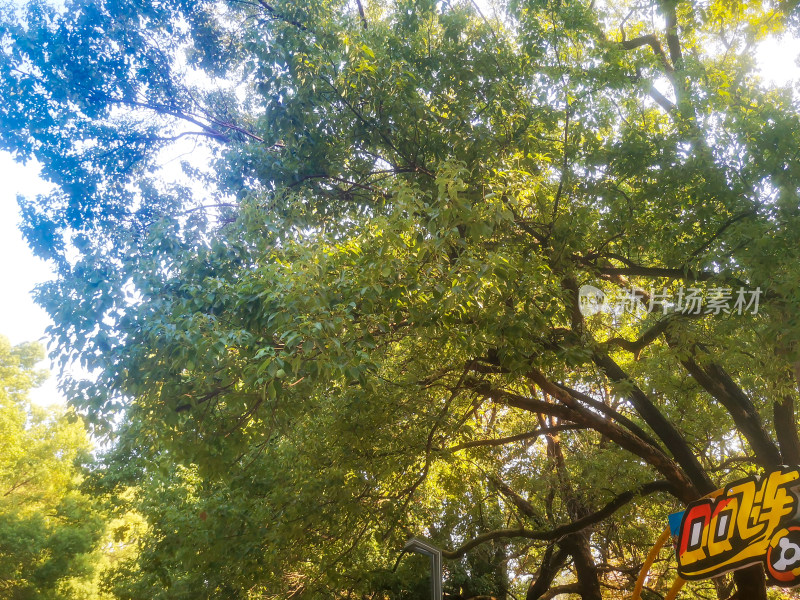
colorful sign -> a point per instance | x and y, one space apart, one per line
753 520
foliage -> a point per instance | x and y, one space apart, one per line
360 320
48 528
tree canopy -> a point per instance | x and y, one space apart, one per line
358 311
49 529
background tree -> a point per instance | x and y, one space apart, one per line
48 528
361 321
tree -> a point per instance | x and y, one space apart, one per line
363 319
48 528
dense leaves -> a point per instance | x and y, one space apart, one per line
49 530
354 316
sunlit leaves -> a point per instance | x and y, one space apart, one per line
401 208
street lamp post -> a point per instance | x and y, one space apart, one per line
422 547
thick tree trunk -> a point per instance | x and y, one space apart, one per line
786 431
585 568
750 584
551 565
577 544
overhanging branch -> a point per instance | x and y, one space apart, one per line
554 534
648 337
652 41
664 429
719 384
514 438
569 410
612 414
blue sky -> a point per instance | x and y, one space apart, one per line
21 320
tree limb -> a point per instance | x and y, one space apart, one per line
514 438
271 10
718 233
632 269
361 14
560 590
786 430
554 534
173 112
663 428
649 40
673 41
661 99
645 340
716 381
551 564
525 507
611 413
570 410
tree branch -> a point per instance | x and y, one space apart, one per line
361 14
673 42
560 590
570 410
173 112
728 223
202 399
525 507
716 381
647 338
661 99
564 168
554 534
514 438
649 40
663 428
786 430
271 10
611 413
551 564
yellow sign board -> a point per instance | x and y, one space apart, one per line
753 520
